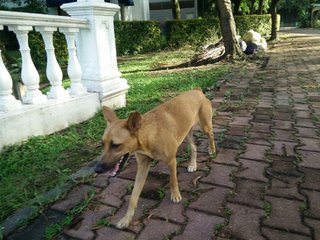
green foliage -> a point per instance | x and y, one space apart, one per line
102 223
150 61
219 228
18 2
252 7
38 52
195 32
267 208
137 37
161 192
258 23
297 11
33 6
60 47
304 20
37 48
130 187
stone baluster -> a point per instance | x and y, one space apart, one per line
29 74
7 100
74 68
53 70
96 50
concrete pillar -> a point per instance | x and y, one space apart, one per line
97 50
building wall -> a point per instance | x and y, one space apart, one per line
160 10
140 11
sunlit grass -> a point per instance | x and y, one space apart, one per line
146 62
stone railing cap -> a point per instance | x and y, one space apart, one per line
9 18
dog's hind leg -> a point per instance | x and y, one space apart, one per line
205 118
142 173
175 193
193 152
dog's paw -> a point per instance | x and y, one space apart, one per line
176 197
192 168
123 223
212 150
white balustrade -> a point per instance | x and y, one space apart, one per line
92 69
21 23
74 68
29 74
91 28
53 70
7 100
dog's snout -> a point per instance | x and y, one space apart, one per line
100 168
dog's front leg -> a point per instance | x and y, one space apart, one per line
142 173
175 193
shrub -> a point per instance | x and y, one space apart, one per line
137 37
38 51
258 23
37 48
194 32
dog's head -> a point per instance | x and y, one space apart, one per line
119 141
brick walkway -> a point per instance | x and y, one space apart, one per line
264 182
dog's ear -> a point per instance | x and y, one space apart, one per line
133 122
108 114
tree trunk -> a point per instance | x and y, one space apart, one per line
228 29
274 23
175 9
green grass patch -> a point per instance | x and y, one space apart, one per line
41 163
147 62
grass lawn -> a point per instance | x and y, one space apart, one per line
32 168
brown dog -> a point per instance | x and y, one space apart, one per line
157 135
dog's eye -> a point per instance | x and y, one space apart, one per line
114 145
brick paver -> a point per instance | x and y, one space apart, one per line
285 214
248 192
264 182
157 229
200 226
245 222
